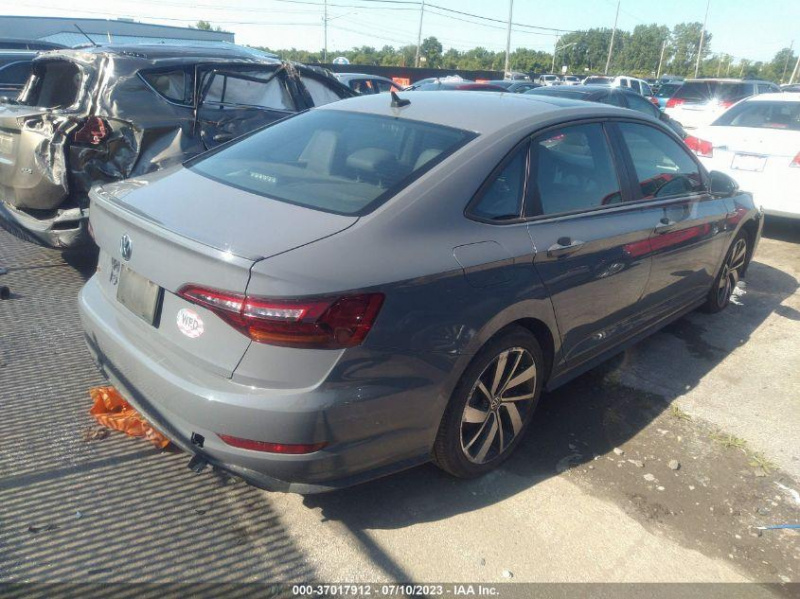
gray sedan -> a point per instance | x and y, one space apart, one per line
375 284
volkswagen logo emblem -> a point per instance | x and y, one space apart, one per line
125 247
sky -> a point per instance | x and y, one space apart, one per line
753 29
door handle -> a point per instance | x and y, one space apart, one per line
665 225
564 247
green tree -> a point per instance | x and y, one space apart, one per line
685 43
780 68
642 50
431 51
205 26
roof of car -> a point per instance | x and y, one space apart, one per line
161 51
481 112
348 76
776 97
724 80
576 90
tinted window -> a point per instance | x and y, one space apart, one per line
703 91
17 73
176 86
322 93
613 98
332 160
764 88
253 88
663 167
640 104
597 81
763 115
666 90
573 170
502 198
646 91
636 87
383 86
362 86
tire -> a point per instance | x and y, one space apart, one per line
486 418
729 275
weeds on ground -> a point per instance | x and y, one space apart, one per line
757 460
729 441
679 414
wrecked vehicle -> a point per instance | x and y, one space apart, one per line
106 113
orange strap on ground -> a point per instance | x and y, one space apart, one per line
112 411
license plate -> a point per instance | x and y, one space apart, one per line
139 295
748 162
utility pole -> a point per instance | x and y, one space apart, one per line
702 38
719 65
661 60
795 71
325 27
613 34
730 62
555 50
786 64
508 34
419 34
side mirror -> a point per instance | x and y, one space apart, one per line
722 184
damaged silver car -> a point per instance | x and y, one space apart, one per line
102 114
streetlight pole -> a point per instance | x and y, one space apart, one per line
508 34
613 34
419 34
325 27
555 50
702 39
795 71
661 60
786 64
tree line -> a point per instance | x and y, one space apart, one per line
636 53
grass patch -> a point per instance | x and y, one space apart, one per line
757 460
729 441
679 414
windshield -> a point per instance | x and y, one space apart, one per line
703 91
666 90
763 115
332 160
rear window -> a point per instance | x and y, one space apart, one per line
763 115
331 160
16 73
57 84
597 80
703 91
666 90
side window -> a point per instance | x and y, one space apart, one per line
646 89
322 93
764 88
176 86
640 104
635 86
361 86
16 73
502 198
248 89
573 170
382 86
663 167
624 82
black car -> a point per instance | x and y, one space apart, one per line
101 114
15 68
615 96
515 87
364 84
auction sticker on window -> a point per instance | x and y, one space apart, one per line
190 323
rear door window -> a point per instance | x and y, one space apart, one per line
501 199
175 86
573 170
321 92
663 168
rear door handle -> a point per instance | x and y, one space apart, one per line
665 226
564 247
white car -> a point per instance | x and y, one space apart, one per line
549 80
698 102
757 142
571 80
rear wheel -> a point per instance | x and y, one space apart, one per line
729 275
491 406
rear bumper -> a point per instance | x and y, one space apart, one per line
68 228
371 428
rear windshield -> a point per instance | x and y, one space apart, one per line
666 90
763 115
332 160
56 85
703 91
598 80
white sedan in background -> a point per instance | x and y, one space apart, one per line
757 142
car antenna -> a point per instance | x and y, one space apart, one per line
398 102
91 41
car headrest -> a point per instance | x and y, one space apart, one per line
373 162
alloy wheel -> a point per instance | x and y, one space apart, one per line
732 271
498 405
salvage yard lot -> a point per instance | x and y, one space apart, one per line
589 496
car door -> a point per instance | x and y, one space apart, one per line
592 246
690 231
235 99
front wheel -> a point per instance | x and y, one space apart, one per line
491 406
729 275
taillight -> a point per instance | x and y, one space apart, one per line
653 100
321 323
701 147
726 103
673 102
796 161
93 131
286 448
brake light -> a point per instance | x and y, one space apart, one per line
653 100
673 102
796 161
93 131
286 448
700 147
320 323
726 103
